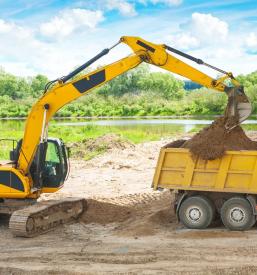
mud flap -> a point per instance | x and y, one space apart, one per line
178 201
252 201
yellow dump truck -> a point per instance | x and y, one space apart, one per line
207 189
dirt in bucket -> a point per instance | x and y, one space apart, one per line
212 141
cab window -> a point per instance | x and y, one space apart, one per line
52 154
53 170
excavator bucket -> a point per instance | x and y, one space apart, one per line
238 109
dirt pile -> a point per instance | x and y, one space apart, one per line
110 141
105 212
134 214
91 147
212 141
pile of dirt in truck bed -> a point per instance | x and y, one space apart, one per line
212 141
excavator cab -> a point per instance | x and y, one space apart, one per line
50 166
55 168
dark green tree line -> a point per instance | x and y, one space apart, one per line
139 92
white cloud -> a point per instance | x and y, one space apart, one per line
14 30
18 48
208 38
230 57
201 30
25 52
70 20
4 26
168 2
183 41
208 28
124 7
18 68
251 41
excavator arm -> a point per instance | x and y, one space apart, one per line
158 55
66 89
238 104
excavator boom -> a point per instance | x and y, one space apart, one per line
63 92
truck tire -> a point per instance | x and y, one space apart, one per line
196 212
237 214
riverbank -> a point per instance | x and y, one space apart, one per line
84 134
80 131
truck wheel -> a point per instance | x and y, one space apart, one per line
196 212
237 214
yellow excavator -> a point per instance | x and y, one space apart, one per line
39 164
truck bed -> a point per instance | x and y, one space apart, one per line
235 172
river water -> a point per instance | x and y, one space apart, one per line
186 124
173 124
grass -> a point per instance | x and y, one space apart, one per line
75 134
134 134
70 134
81 150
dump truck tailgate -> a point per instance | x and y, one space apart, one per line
235 172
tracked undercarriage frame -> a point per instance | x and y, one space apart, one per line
30 218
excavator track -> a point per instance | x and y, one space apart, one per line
45 216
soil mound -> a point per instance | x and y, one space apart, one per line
109 141
212 141
104 212
134 215
92 147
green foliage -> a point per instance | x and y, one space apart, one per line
138 92
20 88
204 101
163 84
141 80
128 82
251 92
38 85
248 80
14 87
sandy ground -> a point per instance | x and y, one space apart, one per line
128 228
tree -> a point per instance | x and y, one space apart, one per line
14 87
128 82
38 85
163 84
248 80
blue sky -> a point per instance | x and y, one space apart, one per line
53 36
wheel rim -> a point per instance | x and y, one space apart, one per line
237 215
194 214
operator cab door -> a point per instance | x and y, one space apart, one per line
55 167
